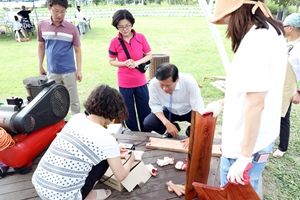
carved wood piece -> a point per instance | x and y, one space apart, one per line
228 192
177 188
199 152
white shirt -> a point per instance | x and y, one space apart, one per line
80 16
294 59
186 96
259 65
79 146
17 25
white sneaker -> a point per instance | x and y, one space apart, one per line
278 153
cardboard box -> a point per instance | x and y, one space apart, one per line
138 175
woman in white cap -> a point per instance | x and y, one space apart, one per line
292 33
254 84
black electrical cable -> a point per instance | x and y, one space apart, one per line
130 154
132 148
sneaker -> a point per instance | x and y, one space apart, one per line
278 153
167 135
187 131
177 126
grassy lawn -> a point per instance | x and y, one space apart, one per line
191 47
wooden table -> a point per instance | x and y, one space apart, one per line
18 186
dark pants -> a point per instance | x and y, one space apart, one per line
285 131
152 123
95 175
137 102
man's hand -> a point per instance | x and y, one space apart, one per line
79 76
171 129
214 107
238 172
296 98
185 143
42 71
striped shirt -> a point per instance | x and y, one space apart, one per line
59 42
80 145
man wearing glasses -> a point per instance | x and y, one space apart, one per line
59 39
173 97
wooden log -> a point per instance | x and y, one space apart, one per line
199 153
156 60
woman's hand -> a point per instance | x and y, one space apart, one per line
122 148
130 63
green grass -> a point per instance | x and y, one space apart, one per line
191 47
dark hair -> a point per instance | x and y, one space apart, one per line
120 15
242 20
166 70
16 18
106 102
63 3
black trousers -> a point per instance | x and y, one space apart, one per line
285 131
152 123
95 175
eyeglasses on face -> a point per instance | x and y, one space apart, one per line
128 26
58 12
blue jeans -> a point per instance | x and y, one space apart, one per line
254 173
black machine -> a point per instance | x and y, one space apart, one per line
48 104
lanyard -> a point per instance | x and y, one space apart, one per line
170 106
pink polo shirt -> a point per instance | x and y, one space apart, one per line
137 46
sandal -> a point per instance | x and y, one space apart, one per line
278 153
102 194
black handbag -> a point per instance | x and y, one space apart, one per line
141 67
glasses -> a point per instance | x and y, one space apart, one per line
58 12
124 27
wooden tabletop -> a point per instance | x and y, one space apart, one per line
155 187
18 186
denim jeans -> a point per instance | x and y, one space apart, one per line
254 173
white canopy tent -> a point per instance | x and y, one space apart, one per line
215 32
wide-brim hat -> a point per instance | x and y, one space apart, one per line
223 8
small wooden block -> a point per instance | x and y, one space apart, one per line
176 145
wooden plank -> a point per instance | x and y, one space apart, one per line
228 192
176 145
20 194
200 149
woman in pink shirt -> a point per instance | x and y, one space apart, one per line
132 83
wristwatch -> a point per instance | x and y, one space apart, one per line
298 91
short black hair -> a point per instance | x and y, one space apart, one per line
120 15
106 102
165 71
63 3
16 18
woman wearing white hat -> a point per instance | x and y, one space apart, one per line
292 33
254 84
